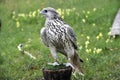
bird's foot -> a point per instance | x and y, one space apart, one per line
54 64
69 64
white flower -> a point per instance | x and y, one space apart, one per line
94 50
88 37
88 12
86 16
87 59
94 9
88 50
83 20
109 33
80 47
34 14
21 15
107 40
100 34
87 42
62 17
93 24
17 24
59 11
97 37
98 51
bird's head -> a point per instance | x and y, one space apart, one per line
49 12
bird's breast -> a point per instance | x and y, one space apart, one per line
57 36
55 33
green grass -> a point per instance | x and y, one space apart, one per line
91 21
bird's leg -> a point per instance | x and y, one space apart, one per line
54 55
70 54
69 64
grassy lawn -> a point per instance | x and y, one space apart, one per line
91 21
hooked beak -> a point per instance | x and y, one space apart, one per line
43 15
41 12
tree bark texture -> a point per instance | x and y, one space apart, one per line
61 74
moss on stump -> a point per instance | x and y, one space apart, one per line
58 72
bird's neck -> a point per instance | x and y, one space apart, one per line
56 21
54 17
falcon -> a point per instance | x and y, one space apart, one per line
60 37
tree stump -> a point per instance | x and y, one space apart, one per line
57 74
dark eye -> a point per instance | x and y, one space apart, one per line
45 11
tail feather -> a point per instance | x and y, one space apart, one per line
76 61
81 60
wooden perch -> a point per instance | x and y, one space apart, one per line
58 72
115 30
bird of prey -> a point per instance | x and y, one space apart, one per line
59 37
